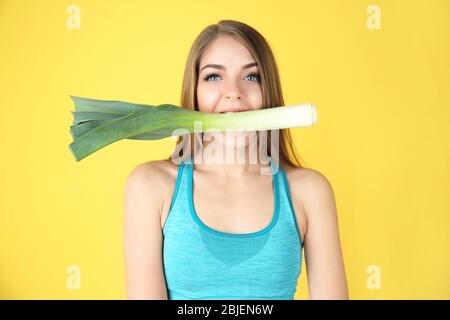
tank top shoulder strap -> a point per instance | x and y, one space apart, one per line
177 183
178 206
287 211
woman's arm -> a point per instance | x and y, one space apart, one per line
143 236
323 254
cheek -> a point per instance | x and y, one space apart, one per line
255 96
207 97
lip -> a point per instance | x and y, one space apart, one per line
233 110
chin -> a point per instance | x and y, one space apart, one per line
233 140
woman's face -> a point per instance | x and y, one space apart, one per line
229 85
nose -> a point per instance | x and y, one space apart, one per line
233 91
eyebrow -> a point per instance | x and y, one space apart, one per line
219 66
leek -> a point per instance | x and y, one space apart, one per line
98 123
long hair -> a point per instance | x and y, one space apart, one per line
270 81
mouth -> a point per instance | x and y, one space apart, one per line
229 112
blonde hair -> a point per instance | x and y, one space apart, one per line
272 95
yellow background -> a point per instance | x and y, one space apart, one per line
382 137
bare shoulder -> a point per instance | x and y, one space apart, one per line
307 179
142 241
323 253
152 179
308 186
152 172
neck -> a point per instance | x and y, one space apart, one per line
232 162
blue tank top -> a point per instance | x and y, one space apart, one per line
202 263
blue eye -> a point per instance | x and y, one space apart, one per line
210 75
256 75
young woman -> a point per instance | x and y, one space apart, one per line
205 229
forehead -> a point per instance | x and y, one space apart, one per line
227 51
